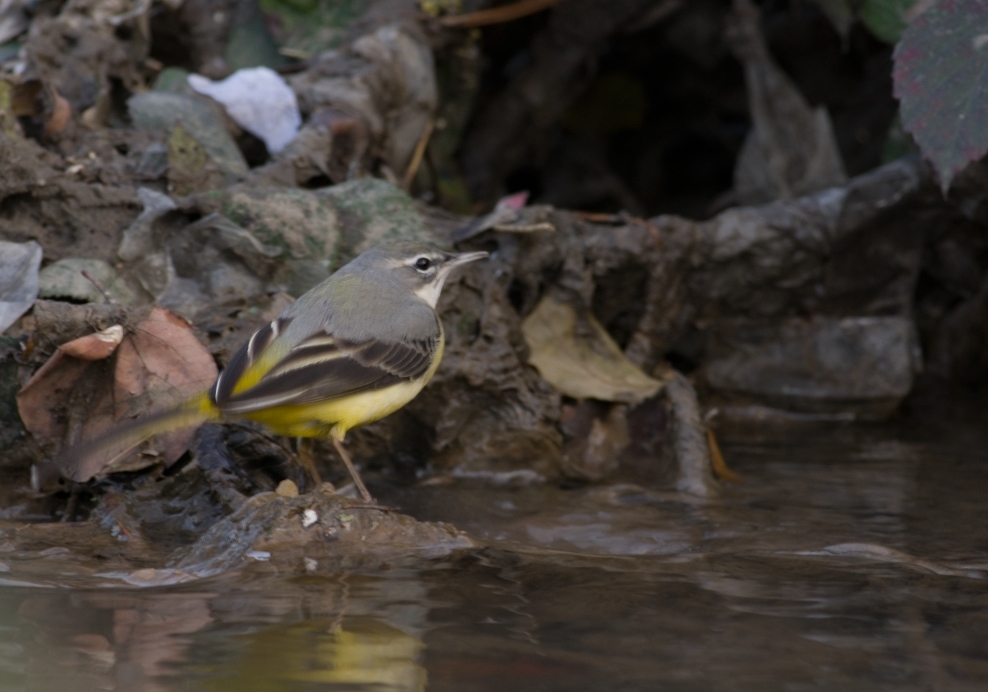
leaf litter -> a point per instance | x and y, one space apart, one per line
158 363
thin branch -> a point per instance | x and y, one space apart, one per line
100 287
413 165
497 15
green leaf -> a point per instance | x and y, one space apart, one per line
886 19
941 80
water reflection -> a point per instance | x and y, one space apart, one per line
118 640
362 652
852 559
263 634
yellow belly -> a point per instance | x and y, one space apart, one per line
336 416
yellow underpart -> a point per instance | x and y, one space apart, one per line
336 416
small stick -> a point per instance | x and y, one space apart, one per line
413 165
99 287
497 15
717 462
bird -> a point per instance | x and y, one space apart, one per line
350 351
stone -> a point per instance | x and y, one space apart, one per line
63 280
861 366
162 111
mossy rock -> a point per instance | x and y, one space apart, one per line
373 211
299 222
162 111
63 280
318 231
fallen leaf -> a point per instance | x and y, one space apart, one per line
157 364
96 346
61 114
577 356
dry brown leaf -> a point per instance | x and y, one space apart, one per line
577 356
158 364
61 114
96 346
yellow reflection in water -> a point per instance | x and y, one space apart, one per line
363 651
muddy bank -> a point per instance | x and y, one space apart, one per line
604 339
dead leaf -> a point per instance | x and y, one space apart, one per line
158 364
791 149
61 114
95 346
578 357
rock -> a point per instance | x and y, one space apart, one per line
286 488
11 429
595 435
302 224
853 250
156 110
344 534
19 263
386 78
862 366
173 80
87 46
67 216
63 280
373 211
193 267
317 232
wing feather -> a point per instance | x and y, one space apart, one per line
323 367
245 357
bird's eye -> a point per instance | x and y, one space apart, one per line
422 263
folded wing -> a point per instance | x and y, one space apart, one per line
319 368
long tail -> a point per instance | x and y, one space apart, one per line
83 461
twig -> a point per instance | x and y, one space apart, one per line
619 219
413 165
99 287
497 15
688 439
717 463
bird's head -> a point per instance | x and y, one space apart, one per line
418 267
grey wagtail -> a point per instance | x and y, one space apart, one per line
351 351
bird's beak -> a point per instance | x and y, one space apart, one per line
465 258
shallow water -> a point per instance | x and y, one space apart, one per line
852 558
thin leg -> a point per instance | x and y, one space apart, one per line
366 496
304 447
